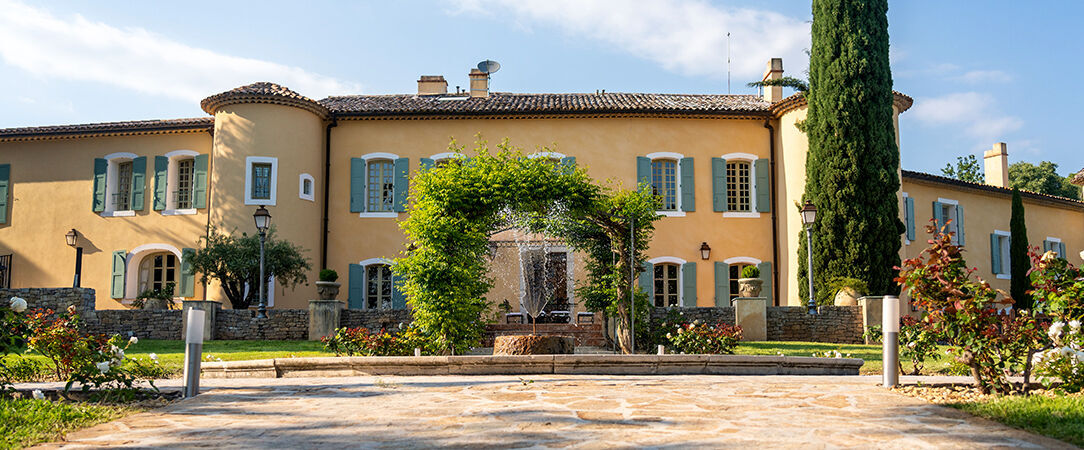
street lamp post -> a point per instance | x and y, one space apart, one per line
809 216
73 241
263 222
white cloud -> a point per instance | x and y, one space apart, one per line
74 48
683 36
980 76
975 112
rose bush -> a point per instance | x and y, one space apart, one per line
360 342
918 342
1065 359
697 338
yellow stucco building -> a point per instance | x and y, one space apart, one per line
334 173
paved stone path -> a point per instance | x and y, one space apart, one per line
553 411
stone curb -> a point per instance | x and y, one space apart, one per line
533 365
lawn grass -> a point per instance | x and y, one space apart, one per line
1061 418
26 422
870 353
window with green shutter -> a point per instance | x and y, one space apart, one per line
5 188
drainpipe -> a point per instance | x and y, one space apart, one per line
327 185
775 207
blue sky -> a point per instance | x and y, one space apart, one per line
980 72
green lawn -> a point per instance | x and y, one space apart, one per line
870 353
28 422
1060 418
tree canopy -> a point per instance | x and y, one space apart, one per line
967 168
235 262
1042 178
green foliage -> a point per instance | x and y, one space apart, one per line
873 333
918 343
851 170
1058 288
1064 360
799 85
1059 417
750 272
839 283
703 339
456 207
27 422
235 261
1019 261
967 169
360 342
328 275
21 369
165 293
1042 178
13 327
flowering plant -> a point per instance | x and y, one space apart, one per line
1057 287
12 332
697 338
57 337
1065 360
107 373
360 342
918 341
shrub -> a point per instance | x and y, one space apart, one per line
165 293
696 338
873 334
1057 287
750 272
106 373
25 370
918 342
359 342
1065 361
12 338
56 336
328 275
839 283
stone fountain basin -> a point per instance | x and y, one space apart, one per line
534 345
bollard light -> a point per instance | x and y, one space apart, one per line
193 352
890 325
662 349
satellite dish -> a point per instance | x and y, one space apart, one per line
489 66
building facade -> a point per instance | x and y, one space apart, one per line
335 174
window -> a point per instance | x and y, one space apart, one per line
738 196
1053 244
666 284
157 270
378 286
380 186
123 195
1000 255
735 274
183 194
261 180
305 187
664 182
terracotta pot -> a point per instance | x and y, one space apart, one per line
846 297
750 287
156 303
327 290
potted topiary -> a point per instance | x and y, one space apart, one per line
156 298
750 284
847 290
327 287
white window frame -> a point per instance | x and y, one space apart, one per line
570 281
1006 257
270 294
113 161
131 267
447 155
955 226
1058 240
249 161
365 280
681 277
172 177
742 260
751 159
301 179
677 212
905 240
365 193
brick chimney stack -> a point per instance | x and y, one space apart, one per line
996 164
774 72
432 85
479 84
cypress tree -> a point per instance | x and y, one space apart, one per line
852 165
1019 262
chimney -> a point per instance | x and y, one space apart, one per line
996 163
432 85
774 71
479 84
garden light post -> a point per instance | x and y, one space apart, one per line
809 216
73 241
263 222
890 339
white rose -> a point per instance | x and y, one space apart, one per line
1055 330
1049 256
103 367
1080 357
1074 325
153 357
38 395
911 344
1066 351
133 340
18 304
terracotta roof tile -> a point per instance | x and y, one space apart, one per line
106 128
262 92
994 189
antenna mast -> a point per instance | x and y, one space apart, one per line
728 63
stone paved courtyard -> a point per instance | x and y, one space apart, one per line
554 411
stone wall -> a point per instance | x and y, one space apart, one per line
281 324
57 299
145 324
723 314
374 320
834 324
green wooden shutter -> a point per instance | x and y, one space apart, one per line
161 177
718 185
938 215
960 225
139 183
5 182
357 185
766 278
398 300
117 285
909 208
402 180
1046 245
355 292
762 169
643 173
199 181
688 285
427 163
647 280
187 280
569 161
995 254
101 168
722 284
688 185
1061 251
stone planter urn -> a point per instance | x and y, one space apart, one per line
750 287
327 290
156 303
846 297
534 345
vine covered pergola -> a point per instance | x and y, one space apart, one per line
456 207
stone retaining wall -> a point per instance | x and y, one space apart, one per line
145 324
281 324
833 324
375 320
57 299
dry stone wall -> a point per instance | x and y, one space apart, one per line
833 324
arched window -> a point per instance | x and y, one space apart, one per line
666 284
305 187
381 185
156 270
378 286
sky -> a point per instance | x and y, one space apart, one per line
980 71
